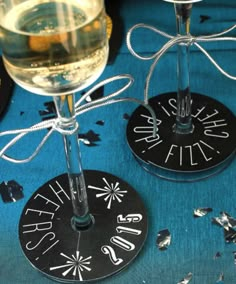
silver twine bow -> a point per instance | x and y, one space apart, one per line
55 123
175 40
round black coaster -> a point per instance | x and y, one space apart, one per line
113 241
183 156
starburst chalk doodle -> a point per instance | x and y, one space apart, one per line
110 192
75 264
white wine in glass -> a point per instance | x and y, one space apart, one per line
54 47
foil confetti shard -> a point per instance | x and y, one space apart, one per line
200 212
220 279
89 138
225 221
230 235
11 191
186 279
163 239
234 257
228 223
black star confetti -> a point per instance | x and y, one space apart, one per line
89 138
163 239
49 111
204 18
126 116
186 279
11 191
97 94
100 122
217 255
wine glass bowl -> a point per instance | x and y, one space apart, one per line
54 47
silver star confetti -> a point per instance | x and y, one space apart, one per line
234 257
221 279
228 223
225 221
200 212
163 239
186 279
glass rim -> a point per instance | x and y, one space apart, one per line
182 1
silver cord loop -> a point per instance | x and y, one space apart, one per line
62 126
176 40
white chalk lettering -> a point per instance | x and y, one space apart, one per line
50 236
112 255
170 153
40 212
130 218
58 192
47 201
208 116
122 243
121 229
37 227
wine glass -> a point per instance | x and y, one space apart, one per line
72 226
195 137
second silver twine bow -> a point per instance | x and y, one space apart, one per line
175 40
54 124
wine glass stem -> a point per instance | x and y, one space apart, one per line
81 218
183 123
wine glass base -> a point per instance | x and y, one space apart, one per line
108 246
183 157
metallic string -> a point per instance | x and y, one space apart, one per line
56 124
176 40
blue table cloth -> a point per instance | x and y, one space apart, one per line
195 241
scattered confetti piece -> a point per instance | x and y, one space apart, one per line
221 279
126 116
230 235
228 223
234 257
97 94
225 221
163 239
89 138
100 122
49 111
204 18
187 279
11 191
200 212
217 255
